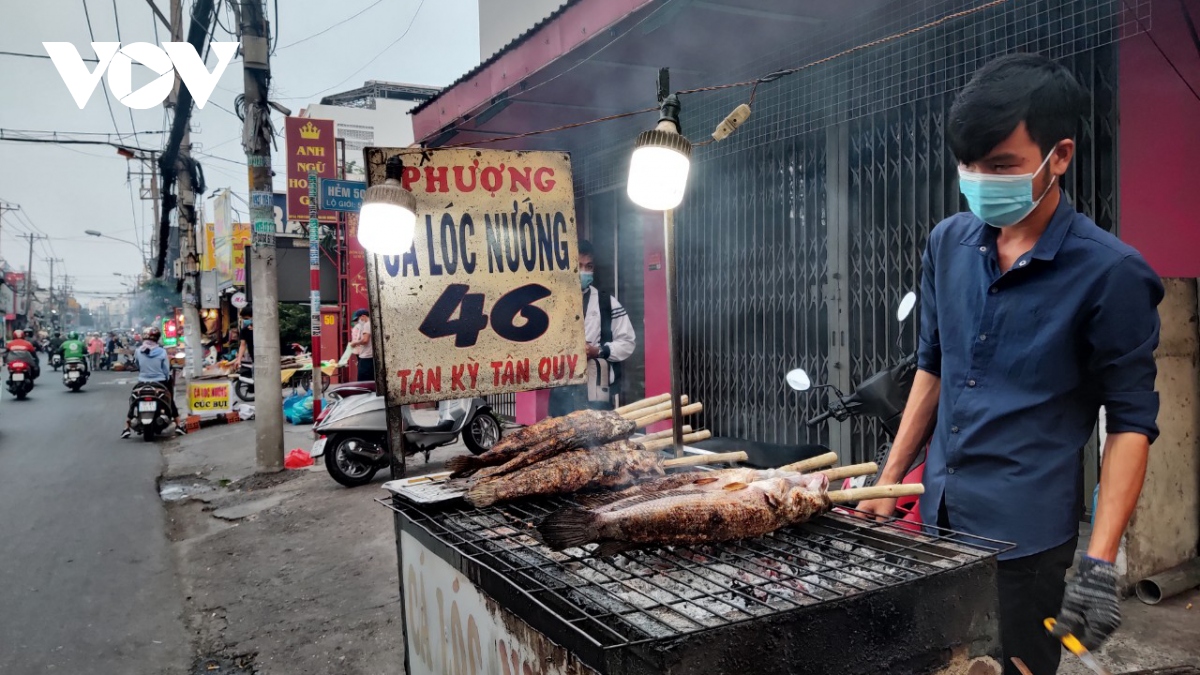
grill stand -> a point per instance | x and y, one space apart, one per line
939 623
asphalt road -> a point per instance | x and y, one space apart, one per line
87 583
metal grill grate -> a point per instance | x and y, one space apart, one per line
672 591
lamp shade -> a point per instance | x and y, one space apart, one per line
658 170
388 219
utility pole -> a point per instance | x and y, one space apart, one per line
53 305
29 279
256 140
187 218
6 207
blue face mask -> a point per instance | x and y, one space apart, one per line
1001 200
585 280
245 324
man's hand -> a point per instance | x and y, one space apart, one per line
878 508
1090 608
593 351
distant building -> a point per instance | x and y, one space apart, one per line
375 114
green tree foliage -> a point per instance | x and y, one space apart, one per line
294 324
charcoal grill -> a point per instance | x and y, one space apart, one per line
834 595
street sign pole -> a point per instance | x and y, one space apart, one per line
314 280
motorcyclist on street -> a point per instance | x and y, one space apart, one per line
73 348
56 343
154 367
21 349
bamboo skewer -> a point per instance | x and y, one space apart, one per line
700 460
656 408
850 471
668 442
669 433
643 422
875 492
644 403
812 463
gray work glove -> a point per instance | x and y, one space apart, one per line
1090 608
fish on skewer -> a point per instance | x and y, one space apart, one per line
576 429
612 465
577 438
713 513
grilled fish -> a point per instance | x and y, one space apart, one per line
697 515
613 465
546 439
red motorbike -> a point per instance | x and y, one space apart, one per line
20 378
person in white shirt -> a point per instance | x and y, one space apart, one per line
360 341
610 340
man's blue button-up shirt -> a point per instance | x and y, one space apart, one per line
1026 359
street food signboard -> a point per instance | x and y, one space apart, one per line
487 299
210 397
311 146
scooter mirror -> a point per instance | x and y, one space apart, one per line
907 303
798 380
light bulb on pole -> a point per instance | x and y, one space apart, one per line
389 214
658 170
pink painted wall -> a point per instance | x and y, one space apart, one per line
658 366
1159 144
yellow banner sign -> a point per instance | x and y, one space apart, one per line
207 397
487 300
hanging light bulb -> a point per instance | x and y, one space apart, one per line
661 159
388 216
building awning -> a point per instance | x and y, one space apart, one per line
594 58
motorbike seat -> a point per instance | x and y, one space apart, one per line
443 426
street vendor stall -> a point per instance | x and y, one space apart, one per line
575 545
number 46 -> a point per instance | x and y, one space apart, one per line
440 321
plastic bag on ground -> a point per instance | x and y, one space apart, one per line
298 459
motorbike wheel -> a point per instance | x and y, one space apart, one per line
75 387
148 434
21 395
344 468
244 391
481 433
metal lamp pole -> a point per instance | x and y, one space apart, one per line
673 329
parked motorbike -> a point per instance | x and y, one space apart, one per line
20 378
244 387
150 410
881 397
56 361
353 436
75 374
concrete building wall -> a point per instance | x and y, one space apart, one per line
500 21
388 124
1165 526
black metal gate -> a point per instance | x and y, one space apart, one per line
801 232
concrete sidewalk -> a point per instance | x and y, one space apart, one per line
286 573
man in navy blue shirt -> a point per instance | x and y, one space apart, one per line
1032 318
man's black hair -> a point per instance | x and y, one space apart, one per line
585 248
1016 88
247 312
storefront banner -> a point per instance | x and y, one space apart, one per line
208 397
487 299
222 239
311 146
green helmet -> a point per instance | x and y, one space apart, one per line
73 335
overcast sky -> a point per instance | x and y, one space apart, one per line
64 190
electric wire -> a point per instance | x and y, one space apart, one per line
393 43
754 83
1149 34
41 56
328 28
107 99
